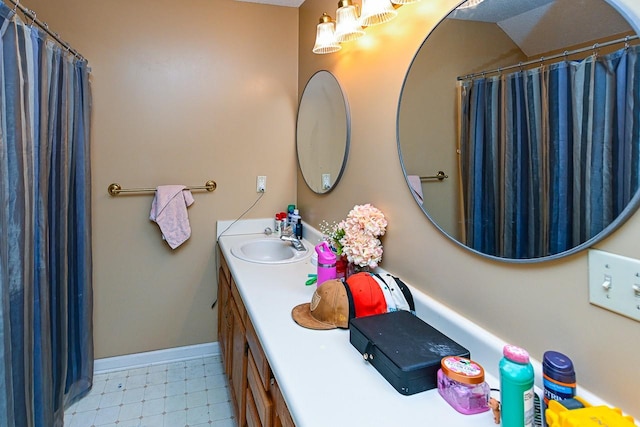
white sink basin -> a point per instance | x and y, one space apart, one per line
269 251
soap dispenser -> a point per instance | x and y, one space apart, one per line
326 263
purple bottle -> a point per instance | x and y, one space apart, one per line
326 263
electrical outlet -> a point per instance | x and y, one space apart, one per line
326 181
614 283
261 184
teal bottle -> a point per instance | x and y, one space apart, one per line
516 388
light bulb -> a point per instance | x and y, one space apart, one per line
376 12
325 36
347 23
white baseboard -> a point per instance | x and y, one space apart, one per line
130 361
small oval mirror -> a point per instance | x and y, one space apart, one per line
322 132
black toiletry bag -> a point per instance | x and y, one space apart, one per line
403 348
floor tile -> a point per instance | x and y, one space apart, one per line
192 392
110 399
153 407
154 391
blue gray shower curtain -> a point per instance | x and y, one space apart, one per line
549 157
46 344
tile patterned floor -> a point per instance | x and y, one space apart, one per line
192 393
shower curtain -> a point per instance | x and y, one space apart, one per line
46 344
549 157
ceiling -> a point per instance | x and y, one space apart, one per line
287 3
536 26
541 26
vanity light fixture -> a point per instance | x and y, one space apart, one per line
325 36
347 22
377 12
348 26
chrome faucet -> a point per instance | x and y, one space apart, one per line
297 244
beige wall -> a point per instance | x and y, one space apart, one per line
183 92
176 99
540 306
428 146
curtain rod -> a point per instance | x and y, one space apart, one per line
32 15
542 59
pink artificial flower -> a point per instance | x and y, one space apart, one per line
362 227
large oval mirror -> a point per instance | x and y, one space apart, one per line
322 132
518 126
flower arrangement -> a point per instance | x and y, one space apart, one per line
357 236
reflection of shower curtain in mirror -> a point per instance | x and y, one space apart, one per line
549 156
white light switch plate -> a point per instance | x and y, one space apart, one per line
614 283
326 181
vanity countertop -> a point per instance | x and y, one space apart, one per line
324 379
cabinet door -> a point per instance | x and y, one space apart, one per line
238 364
283 417
225 322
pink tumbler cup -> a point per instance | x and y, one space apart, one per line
326 263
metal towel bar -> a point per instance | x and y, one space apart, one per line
440 176
115 189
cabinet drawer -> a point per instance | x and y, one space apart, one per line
253 419
262 364
261 399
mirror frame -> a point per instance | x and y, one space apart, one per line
627 212
347 135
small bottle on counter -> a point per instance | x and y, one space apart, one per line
293 218
559 377
298 229
290 210
283 222
461 383
276 229
516 388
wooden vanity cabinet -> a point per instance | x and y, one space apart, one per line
257 400
225 322
259 379
283 417
238 380
232 338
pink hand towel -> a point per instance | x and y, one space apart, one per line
416 187
169 211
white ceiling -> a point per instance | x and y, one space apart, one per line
287 3
541 26
497 10
536 26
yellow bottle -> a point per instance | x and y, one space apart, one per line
557 415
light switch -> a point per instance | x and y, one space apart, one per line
614 283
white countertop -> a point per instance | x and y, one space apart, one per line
324 379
